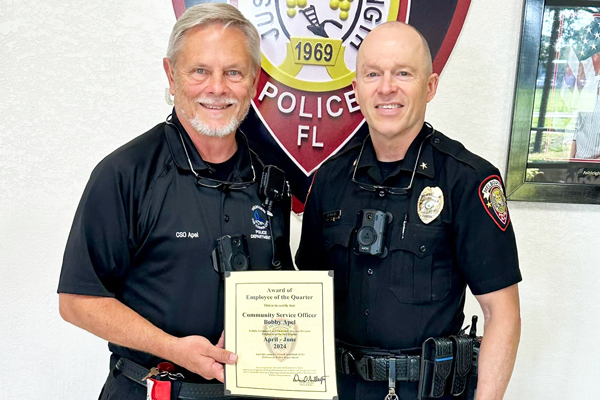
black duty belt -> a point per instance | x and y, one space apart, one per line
376 365
446 365
189 391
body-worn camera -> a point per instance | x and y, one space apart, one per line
231 254
371 231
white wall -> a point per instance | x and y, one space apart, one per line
77 79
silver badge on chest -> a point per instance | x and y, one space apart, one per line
430 204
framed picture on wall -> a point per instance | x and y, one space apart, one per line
555 141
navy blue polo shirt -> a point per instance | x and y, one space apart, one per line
418 289
144 232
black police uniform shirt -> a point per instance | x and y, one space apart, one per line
418 289
144 232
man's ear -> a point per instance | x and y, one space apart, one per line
354 88
254 88
432 85
168 66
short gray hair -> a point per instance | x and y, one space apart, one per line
214 13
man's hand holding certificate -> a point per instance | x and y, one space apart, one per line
280 324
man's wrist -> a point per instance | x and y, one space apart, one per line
167 348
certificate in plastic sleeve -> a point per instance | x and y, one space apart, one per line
280 324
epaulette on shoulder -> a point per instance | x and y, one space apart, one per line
457 150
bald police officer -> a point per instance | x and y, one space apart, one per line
407 219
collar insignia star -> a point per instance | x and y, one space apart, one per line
423 165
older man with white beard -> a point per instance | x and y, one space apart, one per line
137 269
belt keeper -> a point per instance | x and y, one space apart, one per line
346 355
392 374
392 380
413 368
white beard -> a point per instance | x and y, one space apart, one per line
203 128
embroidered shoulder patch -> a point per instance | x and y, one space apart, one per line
493 200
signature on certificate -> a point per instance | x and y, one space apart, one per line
307 378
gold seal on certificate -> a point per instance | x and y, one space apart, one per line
280 324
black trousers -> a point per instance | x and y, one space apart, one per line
119 387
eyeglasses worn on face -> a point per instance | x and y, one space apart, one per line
209 182
389 189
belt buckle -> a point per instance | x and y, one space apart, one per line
365 368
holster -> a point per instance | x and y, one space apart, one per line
463 358
436 366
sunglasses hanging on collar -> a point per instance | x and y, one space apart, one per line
210 182
389 189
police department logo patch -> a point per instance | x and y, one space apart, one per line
493 199
259 217
260 220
